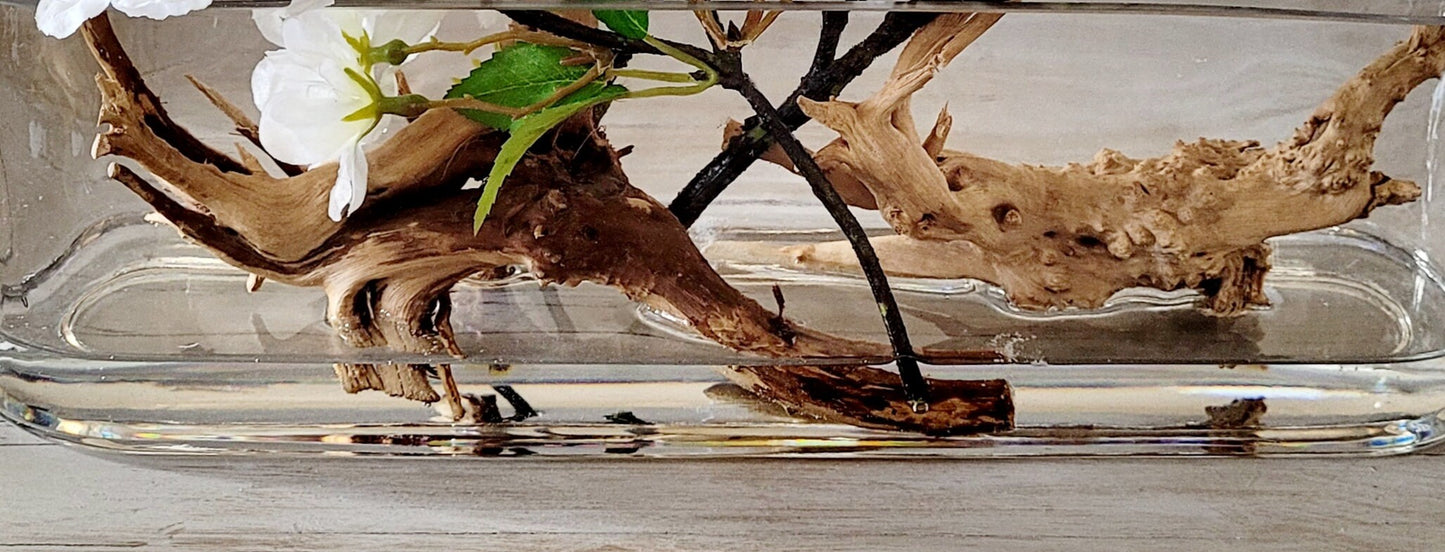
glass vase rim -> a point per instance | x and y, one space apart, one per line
1375 11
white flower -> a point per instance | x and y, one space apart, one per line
381 26
430 75
319 95
269 20
315 110
61 18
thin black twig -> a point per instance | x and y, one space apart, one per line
822 82
521 409
915 387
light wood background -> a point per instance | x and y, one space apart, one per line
57 498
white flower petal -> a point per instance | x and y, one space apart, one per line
409 26
314 110
305 102
349 191
269 20
324 31
284 145
492 21
159 9
61 18
318 33
267 76
295 136
292 76
298 7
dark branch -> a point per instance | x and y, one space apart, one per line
567 28
821 83
834 22
915 387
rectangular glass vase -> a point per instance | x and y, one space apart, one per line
119 332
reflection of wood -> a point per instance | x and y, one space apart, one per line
870 397
408 381
1238 414
568 215
1196 218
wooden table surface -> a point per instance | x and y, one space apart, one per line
55 497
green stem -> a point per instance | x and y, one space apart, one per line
680 55
413 105
660 91
396 52
660 76
435 45
710 75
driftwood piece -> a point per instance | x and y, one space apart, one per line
1073 236
568 216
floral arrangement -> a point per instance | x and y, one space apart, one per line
333 80
394 237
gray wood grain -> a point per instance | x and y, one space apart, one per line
57 498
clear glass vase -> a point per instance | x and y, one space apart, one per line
120 332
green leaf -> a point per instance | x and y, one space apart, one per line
524 133
628 23
520 76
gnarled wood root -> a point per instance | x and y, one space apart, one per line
569 215
1073 236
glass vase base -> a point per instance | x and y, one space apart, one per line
593 412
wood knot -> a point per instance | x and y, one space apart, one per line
1056 283
1006 215
1048 257
1088 242
926 221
